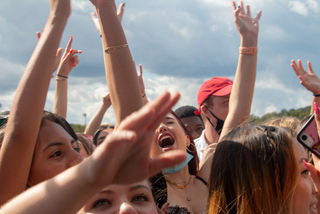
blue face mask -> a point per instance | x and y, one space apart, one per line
179 166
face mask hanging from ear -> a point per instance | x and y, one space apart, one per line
179 166
220 122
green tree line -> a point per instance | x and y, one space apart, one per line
299 113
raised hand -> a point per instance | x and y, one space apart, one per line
127 149
106 100
308 79
246 25
141 83
69 59
95 18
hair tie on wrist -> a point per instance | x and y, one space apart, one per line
62 76
316 95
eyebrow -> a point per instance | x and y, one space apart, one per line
167 118
52 144
139 187
58 144
106 192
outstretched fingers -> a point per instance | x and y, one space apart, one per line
162 108
166 160
310 68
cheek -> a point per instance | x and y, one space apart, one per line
43 170
302 197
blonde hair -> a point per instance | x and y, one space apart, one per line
290 123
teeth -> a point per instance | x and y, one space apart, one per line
165 137
314 206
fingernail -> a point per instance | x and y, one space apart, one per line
74 65
306 165
71 37
316 107
71 51
79 51
124 3
318 173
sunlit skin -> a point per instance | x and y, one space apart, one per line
220 106
136 198
170 125
103 134
55 152
194 125
304 198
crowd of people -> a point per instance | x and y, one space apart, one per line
204 159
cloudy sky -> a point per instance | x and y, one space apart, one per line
180 43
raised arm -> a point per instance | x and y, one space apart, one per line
68 62
120 69
96 120
27 108
309 80
243 86
70 190
244 80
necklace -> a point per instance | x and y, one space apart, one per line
180 186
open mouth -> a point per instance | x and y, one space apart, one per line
166 140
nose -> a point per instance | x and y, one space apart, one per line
126 208
162 128
194 135
74 158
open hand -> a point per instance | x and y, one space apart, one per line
247 26
124 157
309 80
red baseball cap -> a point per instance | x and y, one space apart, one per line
217 86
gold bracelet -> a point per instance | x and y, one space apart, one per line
115 47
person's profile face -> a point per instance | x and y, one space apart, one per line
103 134
194 125
304 198
55 152
136 198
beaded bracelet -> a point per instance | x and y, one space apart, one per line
61 79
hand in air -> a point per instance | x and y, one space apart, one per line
69 59
124 157
106 100
308 79
141 83
243 21
95 18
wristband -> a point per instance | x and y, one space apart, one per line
61 79
316 95
248 50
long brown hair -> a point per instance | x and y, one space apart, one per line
254 170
